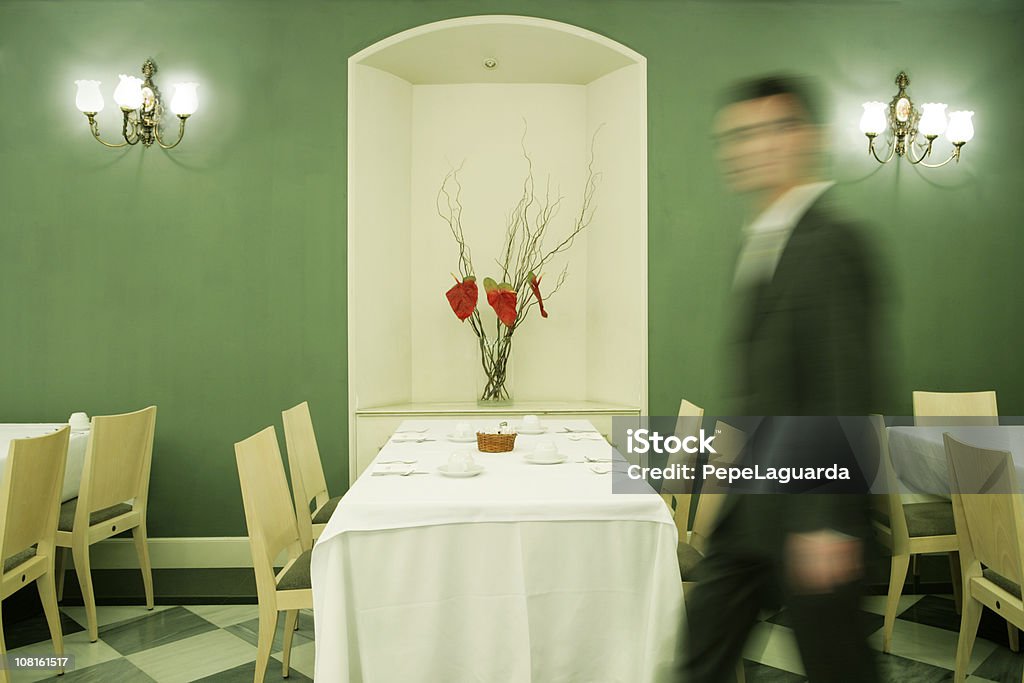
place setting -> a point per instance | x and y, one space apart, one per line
545 453
531 426
461 466
462 433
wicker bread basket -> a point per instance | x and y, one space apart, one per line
495 443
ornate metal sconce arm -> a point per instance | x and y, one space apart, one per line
94 127
181 134
925 154
955 155
873 152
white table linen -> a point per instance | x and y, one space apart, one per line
76 452
523 573
919 453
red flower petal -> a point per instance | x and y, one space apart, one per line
502 299
462 297
535 286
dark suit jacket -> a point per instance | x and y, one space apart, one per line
805 348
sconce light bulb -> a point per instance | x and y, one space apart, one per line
933 119
128 93
185 102
872 121
961 129
89 99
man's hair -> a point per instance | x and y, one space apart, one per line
803 91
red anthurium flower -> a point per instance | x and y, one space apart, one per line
535 286
462 297
502 299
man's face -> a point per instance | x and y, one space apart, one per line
765 145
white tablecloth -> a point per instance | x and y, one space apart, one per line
523 573
919 454
76 452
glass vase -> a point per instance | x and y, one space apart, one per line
494 379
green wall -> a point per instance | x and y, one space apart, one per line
210 280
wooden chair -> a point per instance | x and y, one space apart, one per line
112 499
270 519
677 494
974 408
313 504
29 508
692 545
907 529
989 512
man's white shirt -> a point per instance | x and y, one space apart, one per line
766 237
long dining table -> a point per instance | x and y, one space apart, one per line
76 451
525 572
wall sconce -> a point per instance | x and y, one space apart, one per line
907 123
142 106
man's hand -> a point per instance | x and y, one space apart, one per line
820 561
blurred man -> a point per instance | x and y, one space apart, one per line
805 348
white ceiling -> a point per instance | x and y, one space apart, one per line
525 54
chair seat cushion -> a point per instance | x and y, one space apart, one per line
19 558
930 519
297 576
67 514
323 515
1003 582
689 558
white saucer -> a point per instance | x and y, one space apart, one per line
472 471
525 430
470 438
555 459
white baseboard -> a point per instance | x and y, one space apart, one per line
174 553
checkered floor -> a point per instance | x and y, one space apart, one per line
218 643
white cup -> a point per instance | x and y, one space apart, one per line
78 421
460 462
462 429
531 422
546 450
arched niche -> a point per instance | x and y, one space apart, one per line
422 101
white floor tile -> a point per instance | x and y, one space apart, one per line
225 615
935 646
195 657
303 659
775 646
77 644
107 615
876 603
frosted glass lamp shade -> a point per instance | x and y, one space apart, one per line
89 99
128 93
184 102
872 121
933 119
961 129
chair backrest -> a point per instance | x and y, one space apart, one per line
987 507
974 407
303 454
889 503
307 472
691 417
729 443
117 461
269 515
30 493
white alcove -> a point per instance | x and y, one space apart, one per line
422 102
